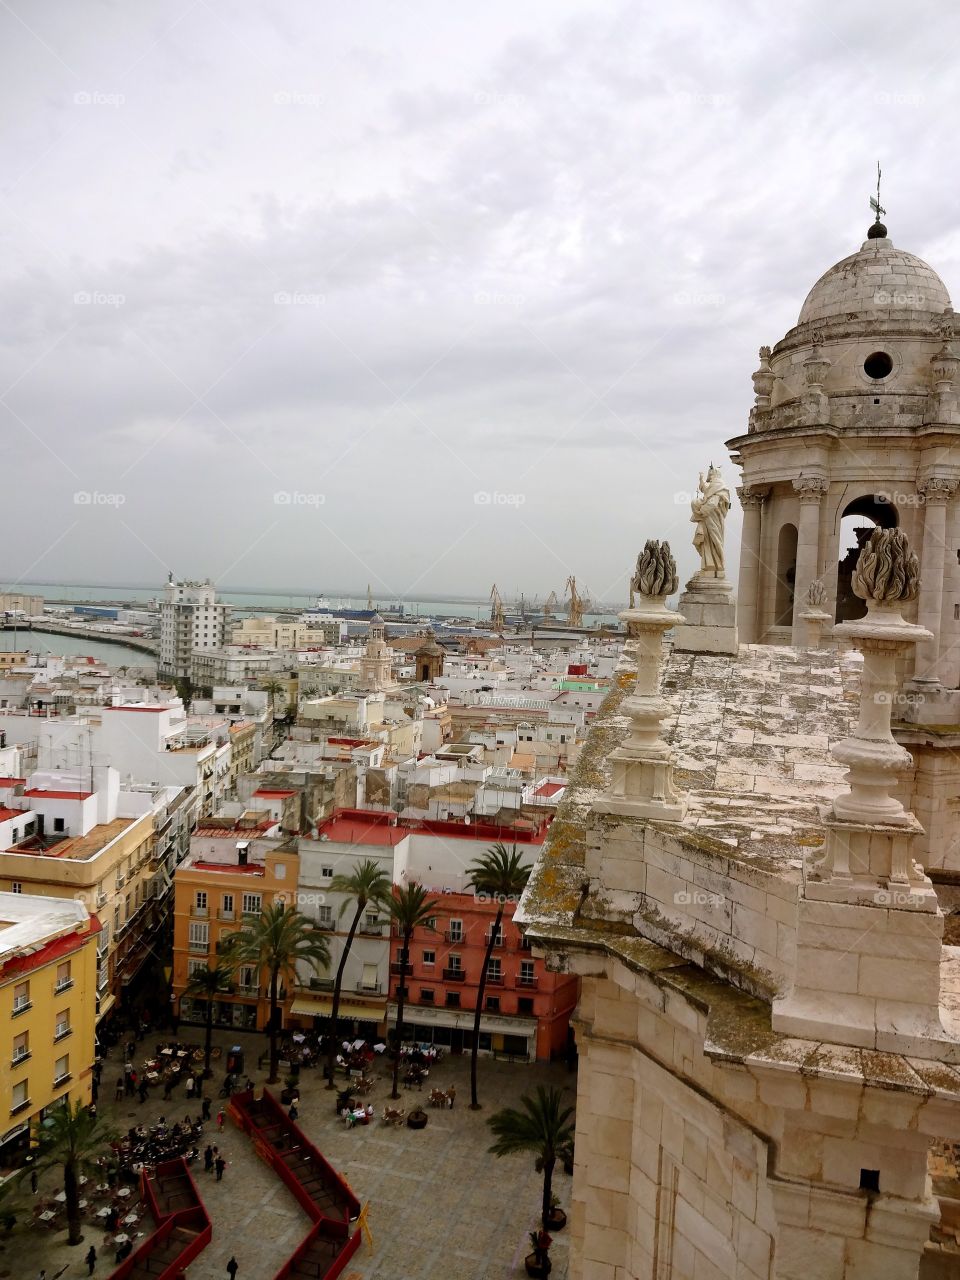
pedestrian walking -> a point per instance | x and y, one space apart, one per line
34 1185
221 1116
142 1089
220 1164
191 1083
119 1093
233 1266
293 1113
206 1110
207 1158
91 1260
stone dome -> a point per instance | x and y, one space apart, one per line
875 282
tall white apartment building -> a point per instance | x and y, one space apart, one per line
190 619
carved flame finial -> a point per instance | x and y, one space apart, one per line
816 594
887 571
656 572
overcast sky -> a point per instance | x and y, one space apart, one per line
379 259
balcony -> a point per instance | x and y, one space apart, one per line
200 912
528 980
396 968
20 1106
497 942
61 1034
200 948
371 930
246 989
494 979
60 1081
19 1058
327 926
21 1006
322 984
453 935
369 988
227 916
454 975
62 984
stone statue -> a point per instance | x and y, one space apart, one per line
709 512
816 594
887 571
656 571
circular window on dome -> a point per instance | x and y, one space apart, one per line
878 366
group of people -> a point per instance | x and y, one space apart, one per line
161 1141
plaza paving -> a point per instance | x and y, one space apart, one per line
441 1207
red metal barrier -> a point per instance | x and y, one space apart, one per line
183 1226
318 1188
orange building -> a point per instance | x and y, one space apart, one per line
526 1010
233 871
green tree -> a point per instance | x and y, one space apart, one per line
410 908
206 984
497 874
184 688
542 1126
71 1138
277 941
368 883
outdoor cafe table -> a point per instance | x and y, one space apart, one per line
130 1219
124 1192
47 1216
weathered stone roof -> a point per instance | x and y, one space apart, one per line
875 281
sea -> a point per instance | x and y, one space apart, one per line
470 607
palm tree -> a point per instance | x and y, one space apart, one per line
206 984
71 1138
410 907
277 942
541 1125
368 883
496 874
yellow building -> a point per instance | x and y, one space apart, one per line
59 840
234 871
48 1000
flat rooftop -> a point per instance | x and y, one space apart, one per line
77 848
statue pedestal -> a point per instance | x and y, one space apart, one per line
710 608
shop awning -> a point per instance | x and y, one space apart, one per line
320 1006
462 1020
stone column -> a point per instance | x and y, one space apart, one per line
937 492
811 490
641 769
748 591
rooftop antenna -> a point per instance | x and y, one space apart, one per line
878 231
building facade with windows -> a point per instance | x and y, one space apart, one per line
234 871
191 619
48 999
74 834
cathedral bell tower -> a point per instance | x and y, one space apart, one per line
856 415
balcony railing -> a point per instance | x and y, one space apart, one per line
197 910
202 947
527 980
62 984
226 915
322 984
454 975
453 935
328 926
494 979
397 968
497 942
372 930
369 988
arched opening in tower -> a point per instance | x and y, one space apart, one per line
857 522
786 576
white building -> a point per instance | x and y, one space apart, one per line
190 619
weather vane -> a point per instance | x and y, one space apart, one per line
875 204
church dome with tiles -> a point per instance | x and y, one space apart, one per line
873 283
